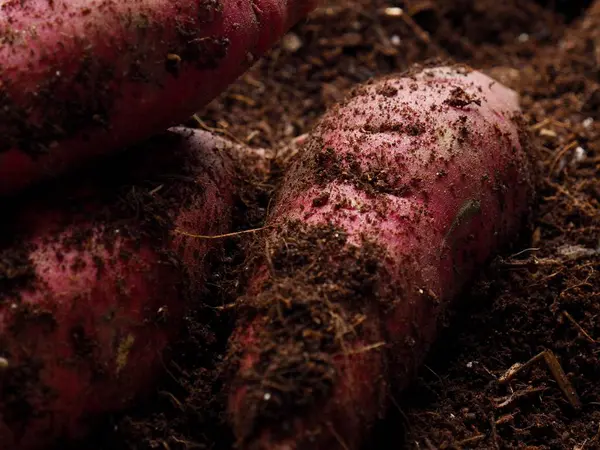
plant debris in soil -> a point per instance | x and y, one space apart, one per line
543 300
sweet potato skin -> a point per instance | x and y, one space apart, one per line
81 78
415 179
95 278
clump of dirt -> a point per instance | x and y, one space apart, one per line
459 99
15 270
543 298
309 309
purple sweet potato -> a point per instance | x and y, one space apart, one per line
95 276
402 192
82 78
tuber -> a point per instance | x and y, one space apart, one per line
401 193
82 78
95 277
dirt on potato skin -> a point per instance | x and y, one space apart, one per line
514 310
297 322
27 121
94 224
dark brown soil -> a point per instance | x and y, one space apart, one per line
544 298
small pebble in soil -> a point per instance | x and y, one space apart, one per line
578 156
291 42
393 12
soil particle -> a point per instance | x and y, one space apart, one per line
459 99
16 270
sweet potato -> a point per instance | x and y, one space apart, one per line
95 277
400 194
80 78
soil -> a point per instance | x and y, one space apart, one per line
544 298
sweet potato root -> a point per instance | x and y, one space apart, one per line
94 279
80 78
400 194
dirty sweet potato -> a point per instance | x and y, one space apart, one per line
81 78
401 193
95 276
